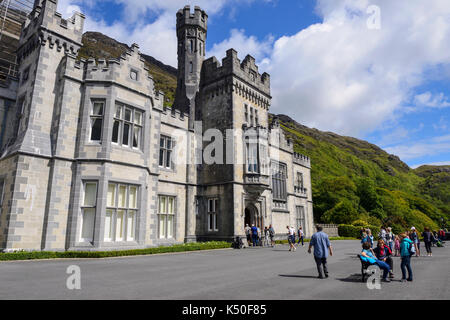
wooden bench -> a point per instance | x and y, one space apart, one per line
364 266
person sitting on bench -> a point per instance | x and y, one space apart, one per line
367 255
384 253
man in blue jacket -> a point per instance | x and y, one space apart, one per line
254 235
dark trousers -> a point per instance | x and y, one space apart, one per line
255 240
428 246
406 265
321 262
301 238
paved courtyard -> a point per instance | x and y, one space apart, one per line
253 273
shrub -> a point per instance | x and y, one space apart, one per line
359 223
347 230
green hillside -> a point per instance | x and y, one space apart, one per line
353 181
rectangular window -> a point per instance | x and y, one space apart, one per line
97 120
166 145
127 127
299 180
246 112
256 118
300 211
121 212
88 211
166 217
212 214
252 155
279 175
251 117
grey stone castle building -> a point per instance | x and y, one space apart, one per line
91 160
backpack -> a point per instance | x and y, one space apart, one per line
411 249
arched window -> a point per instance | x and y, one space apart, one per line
191 67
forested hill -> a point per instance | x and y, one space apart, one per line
353 181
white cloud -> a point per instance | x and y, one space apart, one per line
427 99
431 147
244 45
341 76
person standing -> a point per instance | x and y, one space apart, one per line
397 245
248 234
382 234
322 246
272 235
390 238
405 254
369 234
415 239
259 236
428 240
254 235
300 236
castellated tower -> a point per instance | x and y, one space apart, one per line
191 34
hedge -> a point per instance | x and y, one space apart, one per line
348 230
27 255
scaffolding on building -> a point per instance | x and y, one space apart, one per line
13 14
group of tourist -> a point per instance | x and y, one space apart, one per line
406 245
256 238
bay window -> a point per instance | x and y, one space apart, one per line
127 127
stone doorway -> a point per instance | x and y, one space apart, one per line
252 216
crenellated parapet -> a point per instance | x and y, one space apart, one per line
199 18
301 159
45 26
248 81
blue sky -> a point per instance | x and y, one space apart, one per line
377 70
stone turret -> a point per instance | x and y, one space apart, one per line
191 34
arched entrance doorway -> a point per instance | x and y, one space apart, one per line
252 216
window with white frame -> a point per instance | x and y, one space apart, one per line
97 110
251 146
213 209
88 209
166 217
121 212
166 145
127 127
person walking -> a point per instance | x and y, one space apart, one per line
406 246
291 238
272 235
322 247
254 235
300 236
382 234
428 239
